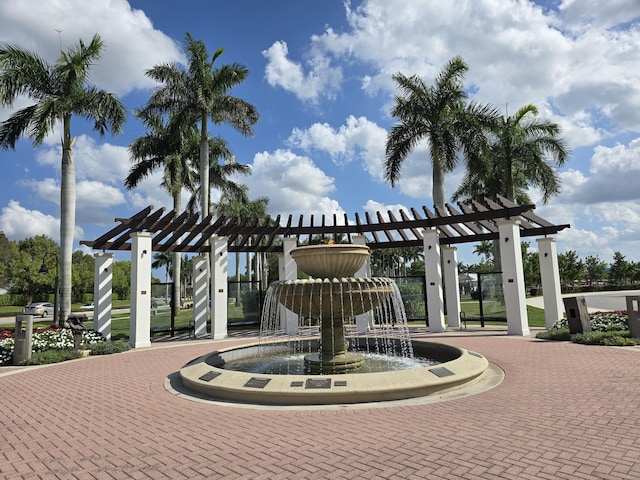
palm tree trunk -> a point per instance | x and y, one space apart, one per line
439 196
67 227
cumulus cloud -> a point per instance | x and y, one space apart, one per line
19 222
293 183
358 138
319 80
132 44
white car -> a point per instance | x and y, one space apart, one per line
87 306
39 308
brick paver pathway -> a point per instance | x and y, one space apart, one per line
563 411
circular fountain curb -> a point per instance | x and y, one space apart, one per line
205 376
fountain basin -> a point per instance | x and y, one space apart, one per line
206 375
330 261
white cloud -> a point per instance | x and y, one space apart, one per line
293 183
320 80
132 44
18 223
357 138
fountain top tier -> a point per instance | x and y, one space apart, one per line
330 261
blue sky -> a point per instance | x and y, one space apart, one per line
320 76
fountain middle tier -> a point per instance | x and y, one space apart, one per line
331 304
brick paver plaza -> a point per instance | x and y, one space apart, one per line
563 411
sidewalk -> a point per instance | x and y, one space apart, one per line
563 411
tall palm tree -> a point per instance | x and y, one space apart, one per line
172 150
439 115
60 91
164 259
200 94
522 151
220 170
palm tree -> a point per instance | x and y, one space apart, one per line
60 91
172 150
200 94
439 115
219 173
164 259
522 151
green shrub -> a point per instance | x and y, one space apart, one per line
559 334
51 356
612 338
107 348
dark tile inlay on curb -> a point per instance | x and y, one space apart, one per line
297 383
441 371
207 377
256 382
318 383
340 383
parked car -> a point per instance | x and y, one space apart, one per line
87 306
39 308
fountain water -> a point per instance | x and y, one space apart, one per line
335 346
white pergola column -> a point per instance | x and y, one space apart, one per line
451 285
364 321
513 277
550 276
102 292
140 322
200 295
219 285
288 271
433 277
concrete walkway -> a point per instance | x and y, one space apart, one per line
563 411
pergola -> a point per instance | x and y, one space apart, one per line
437 231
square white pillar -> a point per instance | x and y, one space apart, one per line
102 293
288 271
219 285
433 277
513 277
200 295
140 322
451 286
364 321
550 276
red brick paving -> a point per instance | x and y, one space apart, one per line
563 411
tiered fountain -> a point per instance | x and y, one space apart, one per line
324 308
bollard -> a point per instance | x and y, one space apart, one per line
23 338
633 315
577 314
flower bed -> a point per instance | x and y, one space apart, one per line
607 328
49 338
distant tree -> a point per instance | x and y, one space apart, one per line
122 279
24 269
530 265
60 91
83 274
595 268
485 250
621 270
570 267
7 252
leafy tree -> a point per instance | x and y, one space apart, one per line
60 91
24 269
530 265
121 281
439 115
199 94
570 267
621 270
595 268
83 274
7 251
